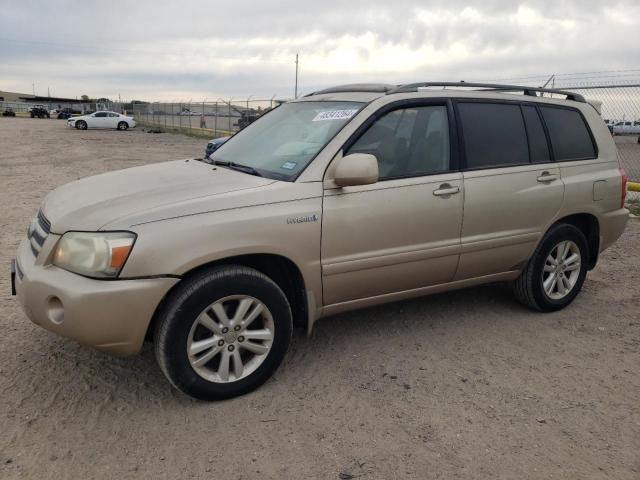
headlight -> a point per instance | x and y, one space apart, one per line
99 255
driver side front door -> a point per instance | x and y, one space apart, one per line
403 232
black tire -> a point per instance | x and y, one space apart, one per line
528 287
81 125
32 115
123 126
189 300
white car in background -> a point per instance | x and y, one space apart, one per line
102 119
627 128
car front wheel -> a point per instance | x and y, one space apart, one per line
81 125
556 271
223 332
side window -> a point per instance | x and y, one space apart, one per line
114 115
408 142
538 148
101 114
569 135
494 134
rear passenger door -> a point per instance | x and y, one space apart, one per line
512 188
112 120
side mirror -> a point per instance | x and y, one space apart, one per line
356 169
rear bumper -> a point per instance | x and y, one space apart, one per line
110 315
612 225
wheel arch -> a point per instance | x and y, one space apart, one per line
282 270
589 225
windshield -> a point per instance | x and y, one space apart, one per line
282 143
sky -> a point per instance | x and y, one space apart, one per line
197 49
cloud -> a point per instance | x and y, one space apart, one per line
197 49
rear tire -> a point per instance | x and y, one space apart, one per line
81 125
209 346
555 273
123 126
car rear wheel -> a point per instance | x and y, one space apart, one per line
556 271
81 125
223 332
123 126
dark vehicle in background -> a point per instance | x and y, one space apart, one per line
246 118
213 145
8 112
39 112
67 113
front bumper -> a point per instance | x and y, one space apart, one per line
110 315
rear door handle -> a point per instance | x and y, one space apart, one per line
446 189
547 177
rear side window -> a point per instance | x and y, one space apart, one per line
538 148
570 138
494 134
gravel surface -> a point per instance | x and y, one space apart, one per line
461 385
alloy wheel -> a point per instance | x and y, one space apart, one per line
561 270
230 338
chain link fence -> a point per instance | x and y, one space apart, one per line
206 119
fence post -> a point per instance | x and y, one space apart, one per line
215 121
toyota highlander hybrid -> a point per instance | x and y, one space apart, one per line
348 197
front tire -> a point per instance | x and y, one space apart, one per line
81 125
123 126
555 273
223 332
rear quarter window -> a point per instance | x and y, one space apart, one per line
569 134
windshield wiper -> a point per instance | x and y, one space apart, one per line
238 167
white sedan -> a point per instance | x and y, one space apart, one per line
102 119
627 128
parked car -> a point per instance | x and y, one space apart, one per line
8 112
627 128
213 145
346 198
102 119
64 115
39 112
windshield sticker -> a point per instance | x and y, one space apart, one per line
289 165
335 115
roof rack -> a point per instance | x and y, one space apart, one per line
530 91
357 87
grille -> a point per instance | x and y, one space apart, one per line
38 232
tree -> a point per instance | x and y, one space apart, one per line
84 97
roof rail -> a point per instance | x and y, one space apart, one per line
530 91
357 87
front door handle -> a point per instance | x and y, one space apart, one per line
446 189
547 177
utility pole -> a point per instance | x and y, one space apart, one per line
48 92
33 87
296 91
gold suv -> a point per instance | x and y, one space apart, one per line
349 197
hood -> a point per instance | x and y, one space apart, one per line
93 202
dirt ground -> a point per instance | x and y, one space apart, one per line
462 385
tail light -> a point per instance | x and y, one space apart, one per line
623 193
